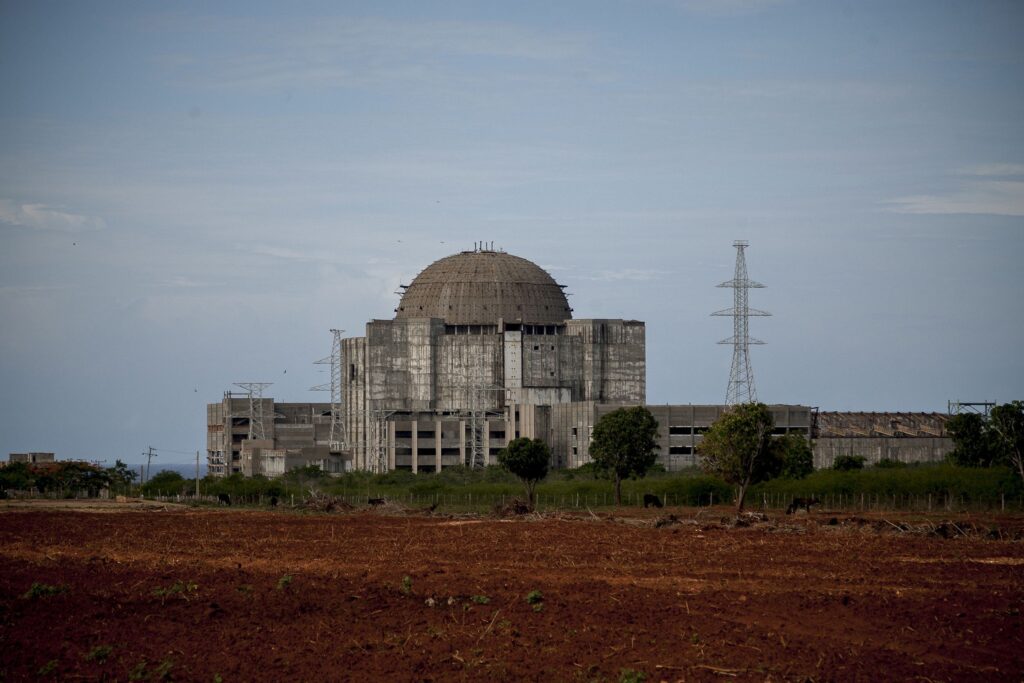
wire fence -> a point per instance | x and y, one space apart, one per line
856 502
469 501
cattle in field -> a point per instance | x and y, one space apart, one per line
651 499
224 498
376 501
804 503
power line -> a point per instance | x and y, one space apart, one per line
168 450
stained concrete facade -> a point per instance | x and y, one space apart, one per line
415 365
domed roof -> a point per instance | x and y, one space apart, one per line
478 287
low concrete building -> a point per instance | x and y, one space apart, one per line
681 428
260 437
31 458
903 437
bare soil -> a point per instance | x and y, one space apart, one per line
191 594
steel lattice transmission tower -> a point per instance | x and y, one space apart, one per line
336 440
741 376
255 391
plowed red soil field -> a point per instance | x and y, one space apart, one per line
207 595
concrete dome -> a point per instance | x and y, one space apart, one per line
478 287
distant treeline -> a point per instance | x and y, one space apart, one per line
906 486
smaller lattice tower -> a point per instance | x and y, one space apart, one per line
336 440
741 376
255 393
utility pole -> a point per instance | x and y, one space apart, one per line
149 461
741 376
197 475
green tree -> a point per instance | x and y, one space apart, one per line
528 459
738 448
796 454
121 475
974 444
167 481
76 476
1007 427
16 476
624 444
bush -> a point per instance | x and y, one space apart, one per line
848 463
167 482
941 480
888 463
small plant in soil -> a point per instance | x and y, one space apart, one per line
48 668
480 599
138 673
99 653
284 582
406 586
631 676
536 599
181 588
42 590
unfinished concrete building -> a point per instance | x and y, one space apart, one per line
477 339
258 436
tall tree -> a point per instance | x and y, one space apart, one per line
121 475
974 443
738 448
528 459
624 444
1007 425
796 454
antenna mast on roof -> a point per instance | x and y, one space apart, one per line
741 376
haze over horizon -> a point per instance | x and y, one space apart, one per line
192 195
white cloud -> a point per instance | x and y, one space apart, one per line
991 197
630 274
42 217
728 8
182 282
355 52
993 170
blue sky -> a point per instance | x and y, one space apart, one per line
194 194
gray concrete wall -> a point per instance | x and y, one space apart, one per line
614 359
468 363
353 391
906 449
